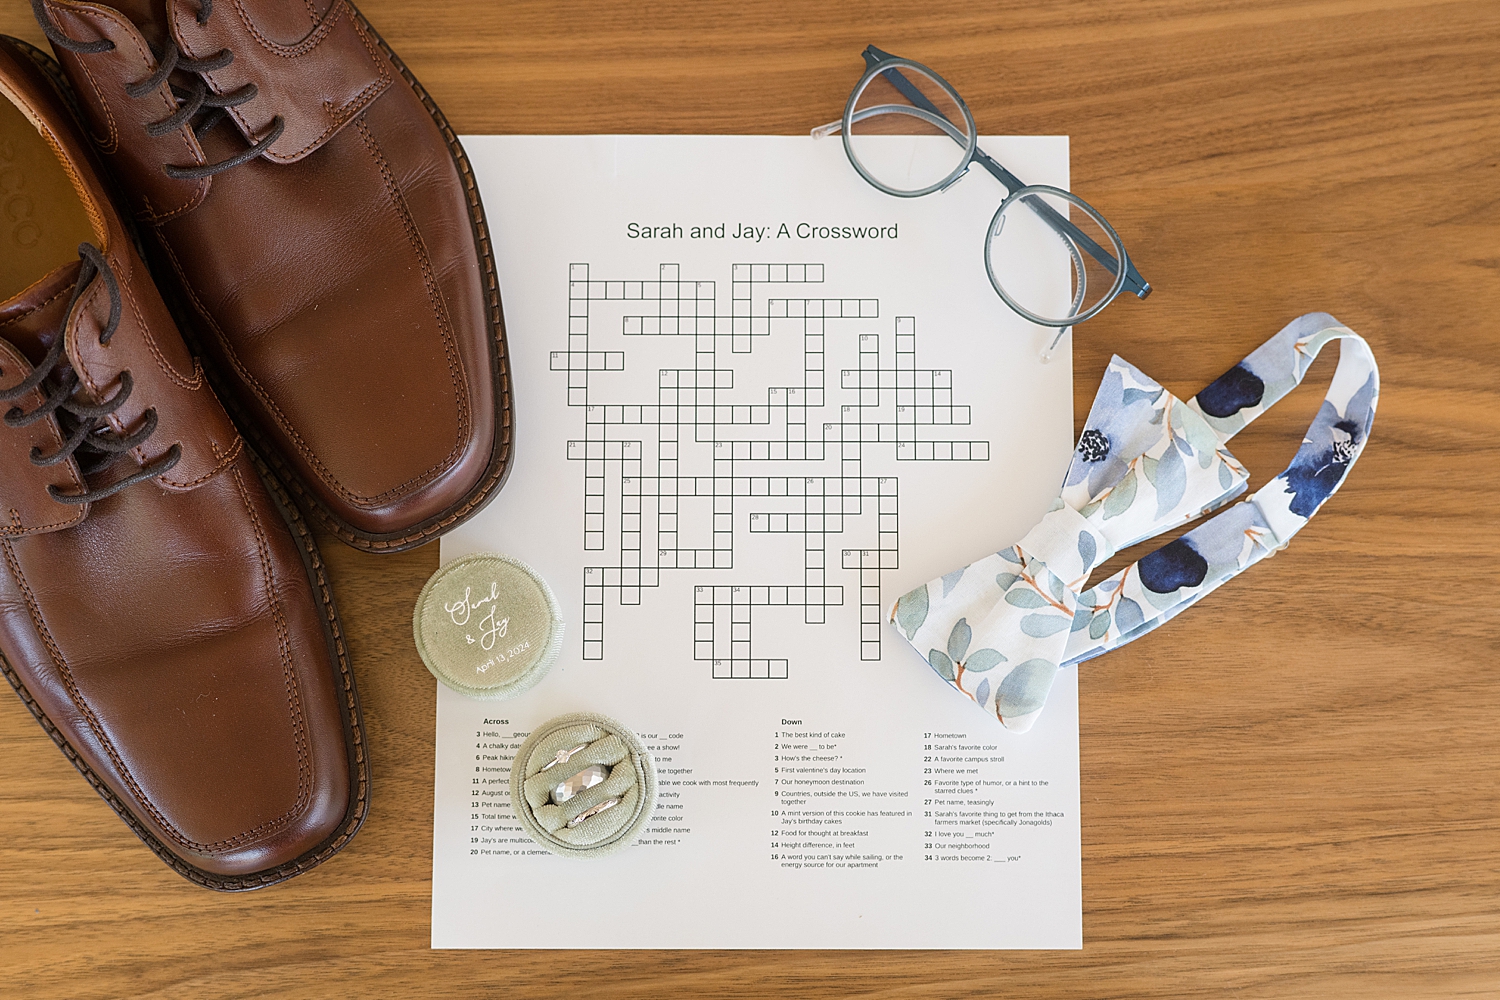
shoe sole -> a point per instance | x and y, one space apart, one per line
354 737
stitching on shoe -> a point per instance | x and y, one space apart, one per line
323 30
306 45
56 440
434 299
283 638
16 528
83 707
92 210
224 463
111 142
87 712
91 297
200 189
324 473
269 453
192 383
38 307
114 419
500 463
353 818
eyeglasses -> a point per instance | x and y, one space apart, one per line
908 133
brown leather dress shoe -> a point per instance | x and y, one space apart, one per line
163 612
318 230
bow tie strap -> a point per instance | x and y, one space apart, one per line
999 628
1275 368
1166 582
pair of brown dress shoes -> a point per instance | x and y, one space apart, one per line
316 231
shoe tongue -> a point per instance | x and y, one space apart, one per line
150 18
34 319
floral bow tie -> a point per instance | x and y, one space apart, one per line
999 629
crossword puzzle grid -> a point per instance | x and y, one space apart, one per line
888 404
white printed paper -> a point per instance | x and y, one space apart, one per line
756 401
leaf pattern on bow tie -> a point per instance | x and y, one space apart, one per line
959 639
1171 480
983 659
1145 462
911 611
1087 548
1024 690
1041 626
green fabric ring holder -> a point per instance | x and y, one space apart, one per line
632 779
487 626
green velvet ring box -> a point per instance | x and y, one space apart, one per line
583 785
487 626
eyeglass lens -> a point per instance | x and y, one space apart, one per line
908 133
1026 277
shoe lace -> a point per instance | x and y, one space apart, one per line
193 99
83 422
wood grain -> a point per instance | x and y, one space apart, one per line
1290 792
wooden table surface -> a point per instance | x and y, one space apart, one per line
1291 791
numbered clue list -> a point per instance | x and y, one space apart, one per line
882 826
830 810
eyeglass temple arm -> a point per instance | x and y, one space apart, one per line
936 121
1133 280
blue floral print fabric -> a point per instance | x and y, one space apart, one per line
999 629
